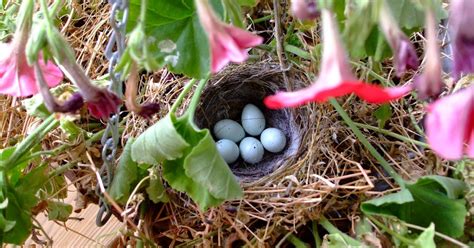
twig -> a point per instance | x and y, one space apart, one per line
279 38
39 226
106 195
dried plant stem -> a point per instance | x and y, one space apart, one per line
392 134
279 38
367 144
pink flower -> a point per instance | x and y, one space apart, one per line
450 125
335 77
404 53
430 83
17 78
227 43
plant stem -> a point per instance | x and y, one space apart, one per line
296 241
333 230
367 144
391 232
181 96
195 100
317 239
392 134
34 138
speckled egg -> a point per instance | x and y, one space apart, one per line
229 129
253 120
273 140
251 150
228 150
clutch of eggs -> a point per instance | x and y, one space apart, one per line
251 149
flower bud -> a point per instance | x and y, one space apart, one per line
461 25
304 9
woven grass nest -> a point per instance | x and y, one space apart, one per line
324 170
227 94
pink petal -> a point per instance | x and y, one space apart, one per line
315 93
450 123
17 78
376 94
244 39
470 143
219 57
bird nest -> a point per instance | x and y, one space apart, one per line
324 170
228 93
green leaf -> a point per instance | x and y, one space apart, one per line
205 165
159 142
407 14
177 22
410 15
426 238
453 188
59 211
232 12
335 240
70 128
439 195
383 114
35 107
248 3
156 190
6 225
17 212
126 175
175 174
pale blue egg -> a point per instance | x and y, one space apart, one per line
273 140
251 150
229 129
228 150
253 120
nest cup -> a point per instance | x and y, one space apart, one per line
225 97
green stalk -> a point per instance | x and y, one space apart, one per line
317 239
34 138
366 143
195 100
391 232
333 230
181 96
296 241
392 134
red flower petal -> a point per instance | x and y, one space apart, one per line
368 92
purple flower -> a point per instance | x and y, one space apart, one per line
102 102
461 24
403 51
131 90
304 9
